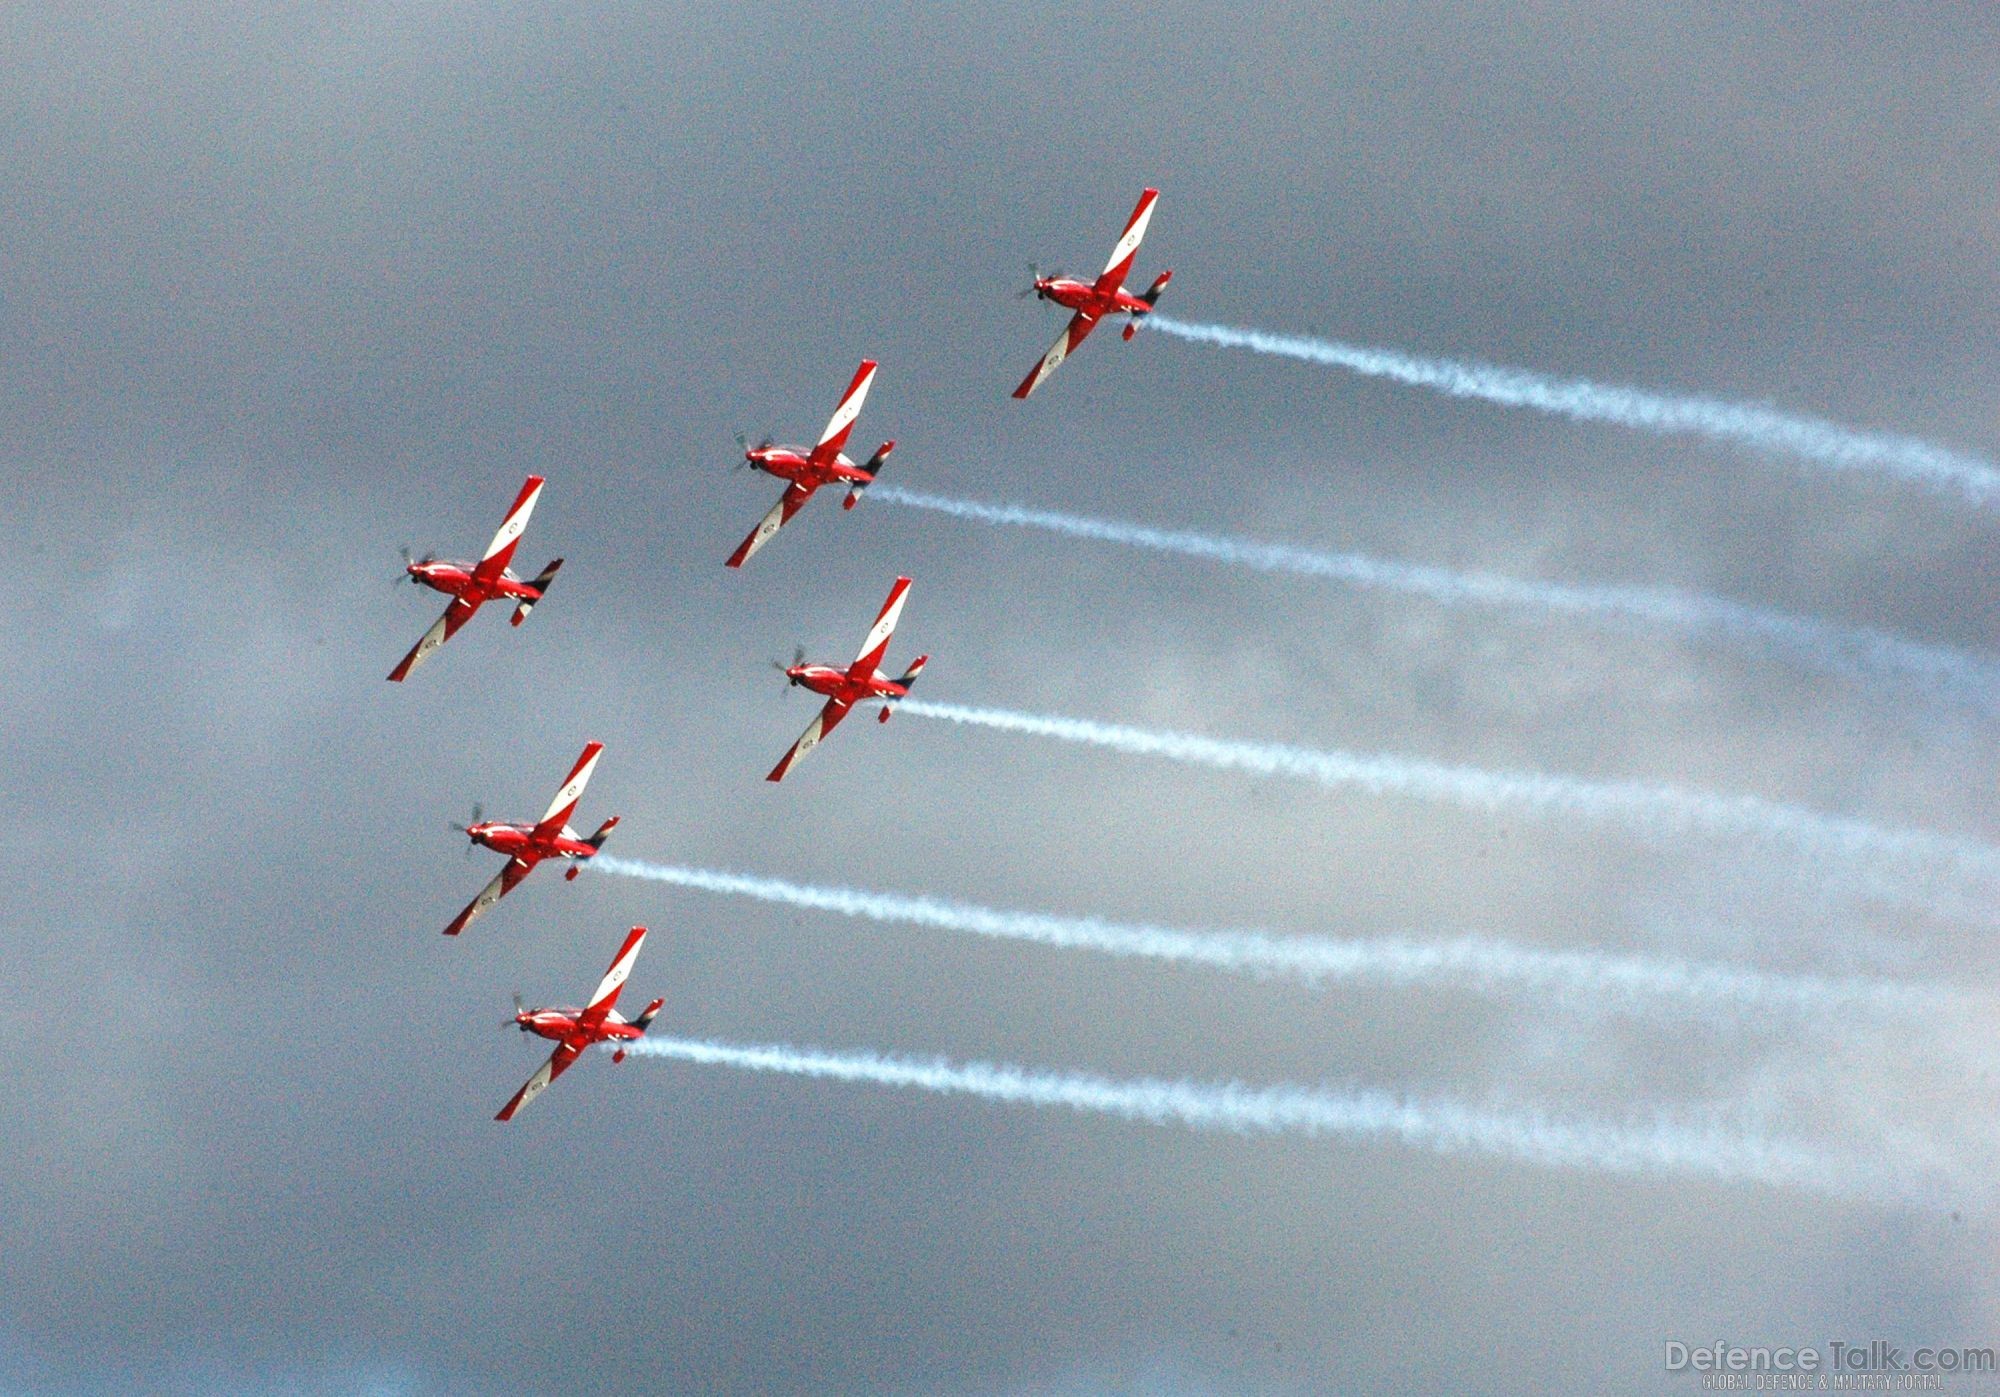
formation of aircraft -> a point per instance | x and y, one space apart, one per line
527 845
573 1030
1093 300
860 682
471 585
807 470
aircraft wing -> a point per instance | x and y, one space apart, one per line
842 422
879 635
504 882
558 1063
564 805
1075 333
1120 264
790 503
823 723
605 997
444 628
500 552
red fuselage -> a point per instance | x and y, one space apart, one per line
567 1026
518 841
457 580
790 463
843 684
1083 296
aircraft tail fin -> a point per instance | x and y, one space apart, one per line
541 586
1151 296
873 468
596 841
908 679
642 1023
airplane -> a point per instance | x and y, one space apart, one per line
471 585
527 845
808 470
1093 300
576 1029
860 682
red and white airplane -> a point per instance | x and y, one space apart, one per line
808 470
527 845
576 1029
1093 300
860 682
472 585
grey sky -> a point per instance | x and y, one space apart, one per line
280 293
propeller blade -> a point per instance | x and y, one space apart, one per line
798 655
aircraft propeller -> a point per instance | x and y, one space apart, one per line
743 440
478 813
514 1020
798 658
405 574
1035 274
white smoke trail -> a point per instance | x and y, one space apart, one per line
1658 1148
1898 862
1633 983
1854 652
1808 438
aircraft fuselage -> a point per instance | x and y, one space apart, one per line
518 841
567 1026
790 463
458 580
844 685
1075 295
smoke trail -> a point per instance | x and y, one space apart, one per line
1854 652
1489 966
1661 1147
1900 862
1809 438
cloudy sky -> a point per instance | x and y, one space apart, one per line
284 291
